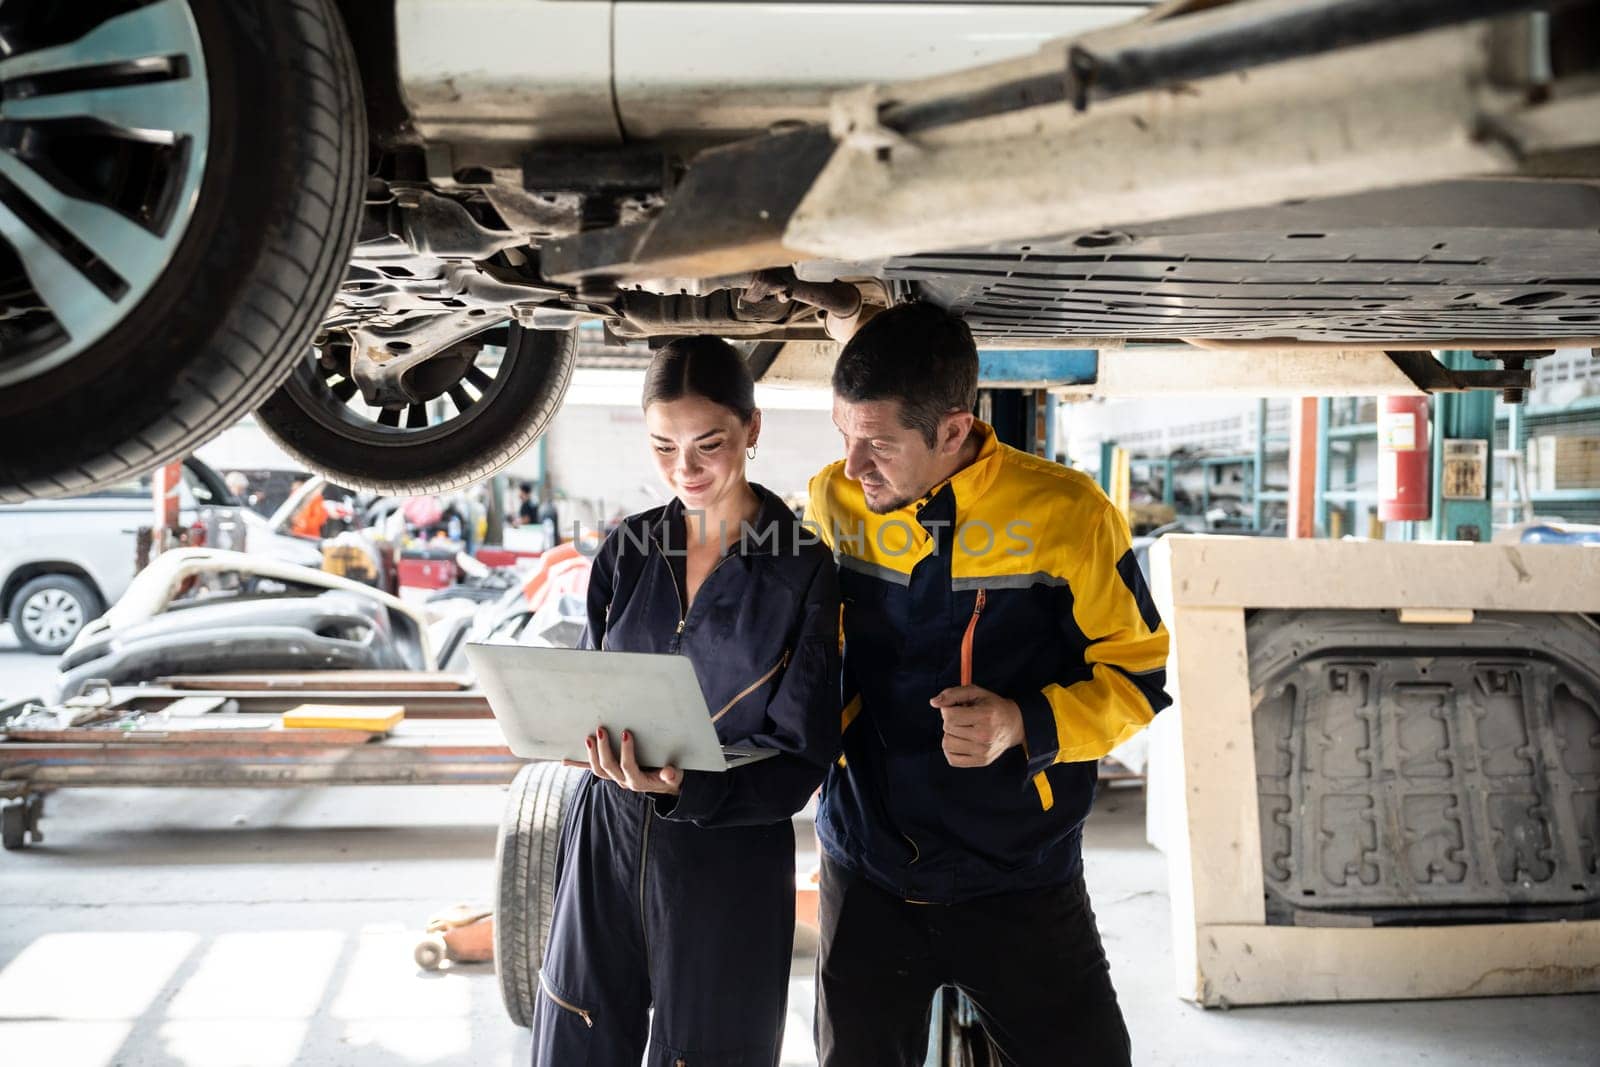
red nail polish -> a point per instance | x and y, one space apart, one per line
627 735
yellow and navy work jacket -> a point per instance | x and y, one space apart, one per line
1015 575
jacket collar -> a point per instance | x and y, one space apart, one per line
670 528
972 481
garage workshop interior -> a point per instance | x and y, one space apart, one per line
845 533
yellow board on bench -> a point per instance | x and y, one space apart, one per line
378 719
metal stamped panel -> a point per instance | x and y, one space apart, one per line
1427 772
1463 259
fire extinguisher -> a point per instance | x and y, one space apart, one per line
1405 459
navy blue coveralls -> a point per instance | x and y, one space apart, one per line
686 904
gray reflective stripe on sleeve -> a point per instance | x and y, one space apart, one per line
1152 685
872 570
1008 581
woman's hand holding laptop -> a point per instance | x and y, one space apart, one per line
625 770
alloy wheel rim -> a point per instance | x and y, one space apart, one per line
52 616
103 141
336 400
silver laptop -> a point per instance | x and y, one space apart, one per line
547 700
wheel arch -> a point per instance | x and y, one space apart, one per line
27 572
374 38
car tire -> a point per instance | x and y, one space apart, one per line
526 856
320 431
14 825
49 611
267 237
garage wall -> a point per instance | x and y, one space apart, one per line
244 446
1155 426
600 464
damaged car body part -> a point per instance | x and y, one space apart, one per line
327 631
195 608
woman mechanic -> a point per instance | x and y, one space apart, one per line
675 889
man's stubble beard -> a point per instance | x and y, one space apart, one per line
894 505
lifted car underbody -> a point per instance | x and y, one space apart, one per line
431 216
1265 175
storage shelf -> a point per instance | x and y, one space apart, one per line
1566 496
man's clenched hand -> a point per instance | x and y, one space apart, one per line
978 725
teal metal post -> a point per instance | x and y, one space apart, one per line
1517 442
1462 416
1107 451
1320 484
1168 489
1259 475
1352 448
1443 408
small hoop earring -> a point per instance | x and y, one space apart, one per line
750 453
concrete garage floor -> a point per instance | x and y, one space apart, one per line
264 928
273 928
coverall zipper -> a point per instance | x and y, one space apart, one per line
966 639
588 1020
644 857
683 611
649 808
753 686
966 679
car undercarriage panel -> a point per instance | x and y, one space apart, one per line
1469 260
1412 773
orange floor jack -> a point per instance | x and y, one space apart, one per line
460 935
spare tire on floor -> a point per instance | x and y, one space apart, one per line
525 866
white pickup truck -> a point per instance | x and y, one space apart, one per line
63 562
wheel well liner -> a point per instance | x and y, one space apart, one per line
373 37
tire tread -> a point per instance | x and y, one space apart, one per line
526 855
